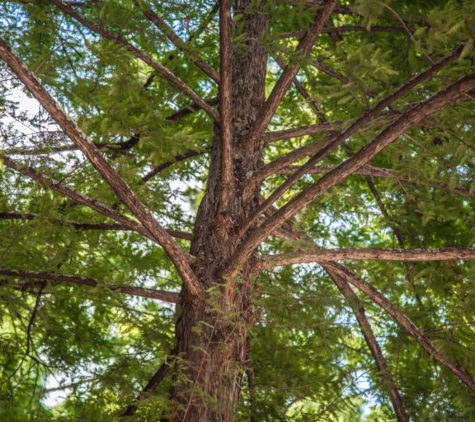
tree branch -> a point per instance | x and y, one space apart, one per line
121 146
182 86
88 226
370 171
330 72
358 309
282 135
372 343
157 378
180 44
402 320
332 143
407 120
344 273
191 109
345 28
166 164
310 101
225 93
120 187
82 281
80 198
77 196
289 73
367 254
320 147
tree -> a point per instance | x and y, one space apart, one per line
175 217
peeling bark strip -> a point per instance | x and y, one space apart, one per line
182 86
367 254
407 120
120 187
225 92
82 281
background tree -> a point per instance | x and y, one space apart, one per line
174 217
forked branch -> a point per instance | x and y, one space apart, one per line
329 180
372 343
283 84
402 320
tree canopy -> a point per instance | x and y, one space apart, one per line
259 210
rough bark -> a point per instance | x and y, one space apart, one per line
367 254
212 335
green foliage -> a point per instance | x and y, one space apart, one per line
96 347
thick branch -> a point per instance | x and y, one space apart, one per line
225 92
121 188
182 86
334 177
181 45
370 171
82 281
88 226
289 73
368 254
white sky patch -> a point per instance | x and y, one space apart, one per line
27 104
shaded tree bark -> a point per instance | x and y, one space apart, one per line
212 336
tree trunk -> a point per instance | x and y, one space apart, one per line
212 335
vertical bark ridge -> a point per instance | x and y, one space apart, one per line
225 93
